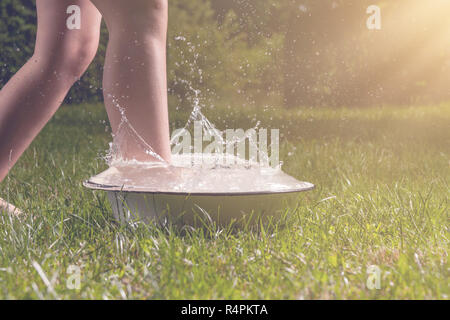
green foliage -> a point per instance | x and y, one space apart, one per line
264 52
17 34
217 59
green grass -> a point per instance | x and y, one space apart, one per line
382 198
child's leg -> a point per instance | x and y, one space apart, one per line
135 74
32 96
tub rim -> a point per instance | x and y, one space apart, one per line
121 189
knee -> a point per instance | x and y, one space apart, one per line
151 23
138 16
154 11
145 8
77 57
158 5
68 58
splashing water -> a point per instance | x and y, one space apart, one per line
180 177
114 156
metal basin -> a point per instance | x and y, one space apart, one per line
198 195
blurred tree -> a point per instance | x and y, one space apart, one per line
294 52
211 51
17 34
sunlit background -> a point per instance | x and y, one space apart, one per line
290 53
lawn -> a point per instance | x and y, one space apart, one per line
382 199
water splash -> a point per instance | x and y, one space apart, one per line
207 126
114 155
125 129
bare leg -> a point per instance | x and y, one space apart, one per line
135 74
33 95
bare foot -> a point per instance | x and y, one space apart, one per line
9 208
